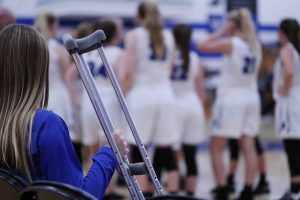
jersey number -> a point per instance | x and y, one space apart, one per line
249 66
97 71
178 73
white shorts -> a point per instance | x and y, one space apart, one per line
191 119
235 114
153 112
59 102
91 127
287 117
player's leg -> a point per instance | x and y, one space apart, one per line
247 144
250 128
216 150
193 135
143 113
292 150
234 152
189 152
166 135
262 187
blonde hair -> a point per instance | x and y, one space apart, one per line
23 89
149 13
242 19
44 21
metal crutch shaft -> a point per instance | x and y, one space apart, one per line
134 131
102 116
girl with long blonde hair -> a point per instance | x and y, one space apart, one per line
145 81
35 142
236 113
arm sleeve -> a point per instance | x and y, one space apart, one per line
58 161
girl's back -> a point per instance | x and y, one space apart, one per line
150 68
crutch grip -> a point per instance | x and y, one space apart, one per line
83 45
138 168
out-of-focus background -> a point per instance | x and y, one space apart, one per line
204 16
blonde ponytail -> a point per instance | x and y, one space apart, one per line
243 20
43 23
149 13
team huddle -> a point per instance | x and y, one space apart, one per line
162 80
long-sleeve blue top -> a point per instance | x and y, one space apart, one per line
53 157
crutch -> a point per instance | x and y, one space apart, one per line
77 47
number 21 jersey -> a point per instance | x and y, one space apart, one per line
240 67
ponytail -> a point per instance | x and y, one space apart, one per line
243 21
182 34
153 22
43 23
290 28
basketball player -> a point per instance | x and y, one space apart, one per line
59 61
287 96
35 142
237 108
187 80
145 81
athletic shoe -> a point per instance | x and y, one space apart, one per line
113 196
246 195
220 193
262 191
290 196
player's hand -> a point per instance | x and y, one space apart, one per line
76 103
120 142
283 92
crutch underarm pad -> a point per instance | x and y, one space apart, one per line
85 44
138 168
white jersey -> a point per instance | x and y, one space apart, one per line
191 119
279 74
287 111
97 67
185 83
90 124
151 70
240 68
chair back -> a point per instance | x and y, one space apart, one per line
43 190
11 184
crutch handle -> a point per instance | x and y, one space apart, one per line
83 45
138 168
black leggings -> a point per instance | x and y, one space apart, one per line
235 149
189 152
292 150
164 158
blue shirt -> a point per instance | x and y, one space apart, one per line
54 159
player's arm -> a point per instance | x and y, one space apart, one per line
70 79
286 57
64 60
126 73
200 83
216 43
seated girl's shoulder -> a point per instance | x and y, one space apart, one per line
43 116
